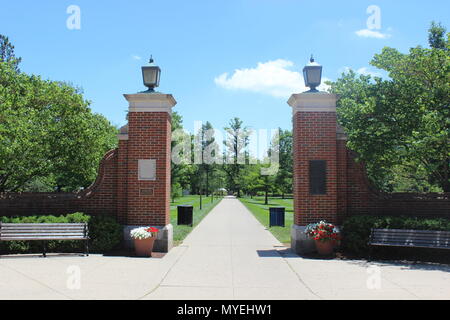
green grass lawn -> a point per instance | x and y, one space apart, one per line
261 212
180 232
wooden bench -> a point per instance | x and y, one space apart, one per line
410 238
44 232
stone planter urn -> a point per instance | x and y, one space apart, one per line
144 247
325 248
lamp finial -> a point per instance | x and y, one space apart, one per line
312 59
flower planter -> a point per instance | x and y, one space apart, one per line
144 247
325 248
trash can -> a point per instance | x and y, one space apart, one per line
276 217
185 215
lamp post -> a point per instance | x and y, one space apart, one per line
151 75
312 74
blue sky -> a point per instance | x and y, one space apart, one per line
220 59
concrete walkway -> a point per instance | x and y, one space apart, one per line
229 255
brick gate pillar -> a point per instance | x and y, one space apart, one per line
315 164
144 166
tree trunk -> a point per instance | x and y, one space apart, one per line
207 183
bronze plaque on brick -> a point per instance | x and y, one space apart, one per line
317 177
146 192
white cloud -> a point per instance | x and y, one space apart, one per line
367 72
363 70
136 57
272 77
366 33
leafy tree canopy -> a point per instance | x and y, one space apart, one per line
48 135
400 126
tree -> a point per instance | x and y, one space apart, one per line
401 126
207 149
180 172
48 134
283 178
436 36
236 142
7 53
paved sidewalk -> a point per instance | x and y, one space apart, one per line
229 255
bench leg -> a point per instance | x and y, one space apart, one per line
44 249
87 248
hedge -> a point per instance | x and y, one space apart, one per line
356 230
104 232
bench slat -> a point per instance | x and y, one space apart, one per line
41 238
412 246
410 231
50 234
444 243
410 238
42 230
41 224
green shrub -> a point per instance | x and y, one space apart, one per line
356 230
104 232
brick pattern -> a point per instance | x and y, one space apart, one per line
149 137
117 190
349 191
122 172
99 198
314 139
363 198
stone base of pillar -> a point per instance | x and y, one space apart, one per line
300 242
163 242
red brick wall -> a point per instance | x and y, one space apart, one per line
122 172
99 198
363 198
314 139
117 190
349 191
149 138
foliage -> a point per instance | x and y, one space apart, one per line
7 53
176 191
236 142
283 179
104 233
400 127
48 134
356 230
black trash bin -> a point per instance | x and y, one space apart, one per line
276 217
185 215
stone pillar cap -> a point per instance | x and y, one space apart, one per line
313 102
150 102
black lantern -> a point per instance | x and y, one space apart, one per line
151 74
312 73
